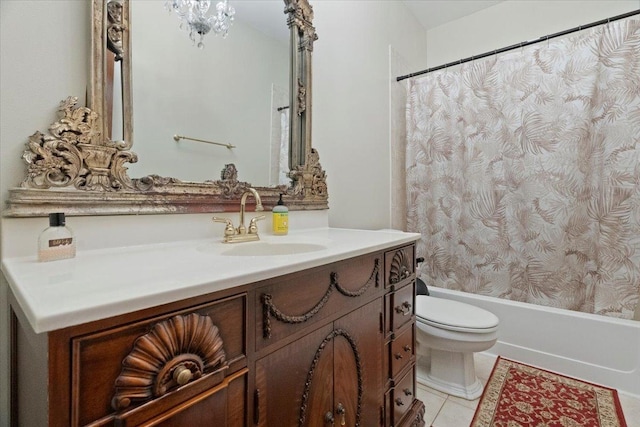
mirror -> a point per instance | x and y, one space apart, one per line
229 92
82 166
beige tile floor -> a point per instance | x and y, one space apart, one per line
442 410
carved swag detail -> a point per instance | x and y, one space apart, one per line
269 308
175 352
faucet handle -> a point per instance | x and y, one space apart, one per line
253 227
228 229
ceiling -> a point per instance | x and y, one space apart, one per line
433 13
269 17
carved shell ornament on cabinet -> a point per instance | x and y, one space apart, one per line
400 267
175 352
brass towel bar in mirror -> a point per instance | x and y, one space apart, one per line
177 138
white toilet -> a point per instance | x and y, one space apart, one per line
448 333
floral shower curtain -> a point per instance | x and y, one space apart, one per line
523 173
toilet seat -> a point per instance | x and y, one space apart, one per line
454 315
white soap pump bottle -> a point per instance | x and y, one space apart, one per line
57 241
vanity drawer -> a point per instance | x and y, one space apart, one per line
222 405
399 307
401 397
399 266
287 305
120 367
401 350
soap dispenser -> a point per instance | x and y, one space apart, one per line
56 241
280 218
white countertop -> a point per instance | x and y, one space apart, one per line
98 284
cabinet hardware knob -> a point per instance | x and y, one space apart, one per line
398 356
340 410
328 418
182 375
407 348
404 308
399 402
407 392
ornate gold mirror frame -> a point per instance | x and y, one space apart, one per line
77 169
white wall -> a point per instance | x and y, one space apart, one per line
36 73
351 102
515 21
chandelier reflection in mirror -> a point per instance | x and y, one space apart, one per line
194 17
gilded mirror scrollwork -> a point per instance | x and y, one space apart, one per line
80 168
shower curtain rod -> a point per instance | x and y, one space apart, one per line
519 45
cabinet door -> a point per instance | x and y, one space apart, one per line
283 395
333 373
358 366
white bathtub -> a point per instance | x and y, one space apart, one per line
595 348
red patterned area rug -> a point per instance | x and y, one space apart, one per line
519 395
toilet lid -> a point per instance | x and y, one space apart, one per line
453 314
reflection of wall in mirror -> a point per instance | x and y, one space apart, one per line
279 159
117 120
221 93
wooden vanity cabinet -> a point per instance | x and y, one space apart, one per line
336 345
319 347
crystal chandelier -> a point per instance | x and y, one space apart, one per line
194 18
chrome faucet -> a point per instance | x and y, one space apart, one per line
241 233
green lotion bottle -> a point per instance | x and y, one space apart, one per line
280 218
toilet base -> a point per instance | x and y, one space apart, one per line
450 372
